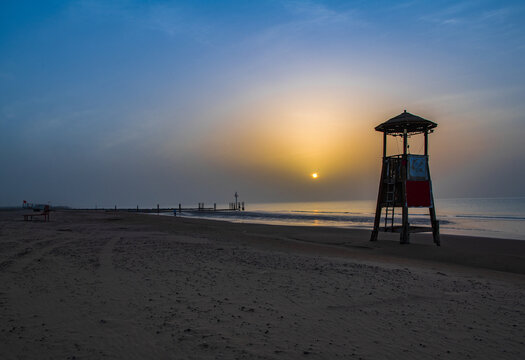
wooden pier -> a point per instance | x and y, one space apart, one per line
201 207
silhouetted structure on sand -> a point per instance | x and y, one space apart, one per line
405 179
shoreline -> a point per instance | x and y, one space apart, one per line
125 285
500 254
450 224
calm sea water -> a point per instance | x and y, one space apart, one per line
490 217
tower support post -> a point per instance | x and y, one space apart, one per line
435 225
381 190
404 237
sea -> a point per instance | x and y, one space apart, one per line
487 217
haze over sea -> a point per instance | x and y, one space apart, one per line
488 217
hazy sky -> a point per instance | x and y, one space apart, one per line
146 102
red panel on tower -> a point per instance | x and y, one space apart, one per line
418 194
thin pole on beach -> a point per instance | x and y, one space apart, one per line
426 142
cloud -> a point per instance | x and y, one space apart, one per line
451 15
315 13
174 21
304 17
170 19
404 5
470 14
496 15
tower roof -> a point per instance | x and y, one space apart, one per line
412 123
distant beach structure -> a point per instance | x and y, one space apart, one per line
237 205
405 179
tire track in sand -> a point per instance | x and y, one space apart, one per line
107 269
118 313
30 252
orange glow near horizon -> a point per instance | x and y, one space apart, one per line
315 175
282 138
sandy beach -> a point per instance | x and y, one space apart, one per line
91 285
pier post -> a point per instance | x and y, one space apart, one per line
214 206
243 206
137 208
115 208
180 208
158 209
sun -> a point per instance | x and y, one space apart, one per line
315 175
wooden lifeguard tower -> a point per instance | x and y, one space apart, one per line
405 179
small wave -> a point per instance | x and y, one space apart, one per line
491 217
325 218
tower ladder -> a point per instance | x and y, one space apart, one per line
390 202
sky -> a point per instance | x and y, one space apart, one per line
146 102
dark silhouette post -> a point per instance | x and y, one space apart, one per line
405 179
404 214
